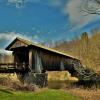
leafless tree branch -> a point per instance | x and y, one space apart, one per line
90 7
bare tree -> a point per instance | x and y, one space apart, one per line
90 7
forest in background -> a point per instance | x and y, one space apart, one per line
6 58
86 48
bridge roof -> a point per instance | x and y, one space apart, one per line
29 43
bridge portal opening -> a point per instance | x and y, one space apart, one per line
21 57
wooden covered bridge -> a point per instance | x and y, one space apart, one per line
36 59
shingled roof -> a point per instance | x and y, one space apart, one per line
29 43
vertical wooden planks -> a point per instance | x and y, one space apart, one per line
31 58
38 62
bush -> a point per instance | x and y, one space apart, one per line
23 87
17 85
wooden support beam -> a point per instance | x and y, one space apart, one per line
38 62
15 58
62 68
31 59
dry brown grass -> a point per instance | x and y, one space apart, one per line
85 94
61 75
10 76
63 80
11 82
56 80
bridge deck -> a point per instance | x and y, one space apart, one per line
11 68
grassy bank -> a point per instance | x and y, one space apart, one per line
47 94
60 87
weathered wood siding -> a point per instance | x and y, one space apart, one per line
51 61
18 44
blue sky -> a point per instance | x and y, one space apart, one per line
43 20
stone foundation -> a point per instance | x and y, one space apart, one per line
39 79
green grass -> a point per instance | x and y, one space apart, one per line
47 94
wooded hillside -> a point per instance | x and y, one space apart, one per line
86 48
6 58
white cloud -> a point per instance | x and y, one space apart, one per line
2 51
76 17
17 3
55 3
21 3
10 36
6 38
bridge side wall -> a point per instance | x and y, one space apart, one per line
44 60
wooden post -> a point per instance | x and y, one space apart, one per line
38 63
30 58
15 60
62 68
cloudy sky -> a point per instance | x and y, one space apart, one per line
44 20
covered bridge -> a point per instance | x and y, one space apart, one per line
31 61
38 58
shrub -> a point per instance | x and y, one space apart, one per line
17 85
